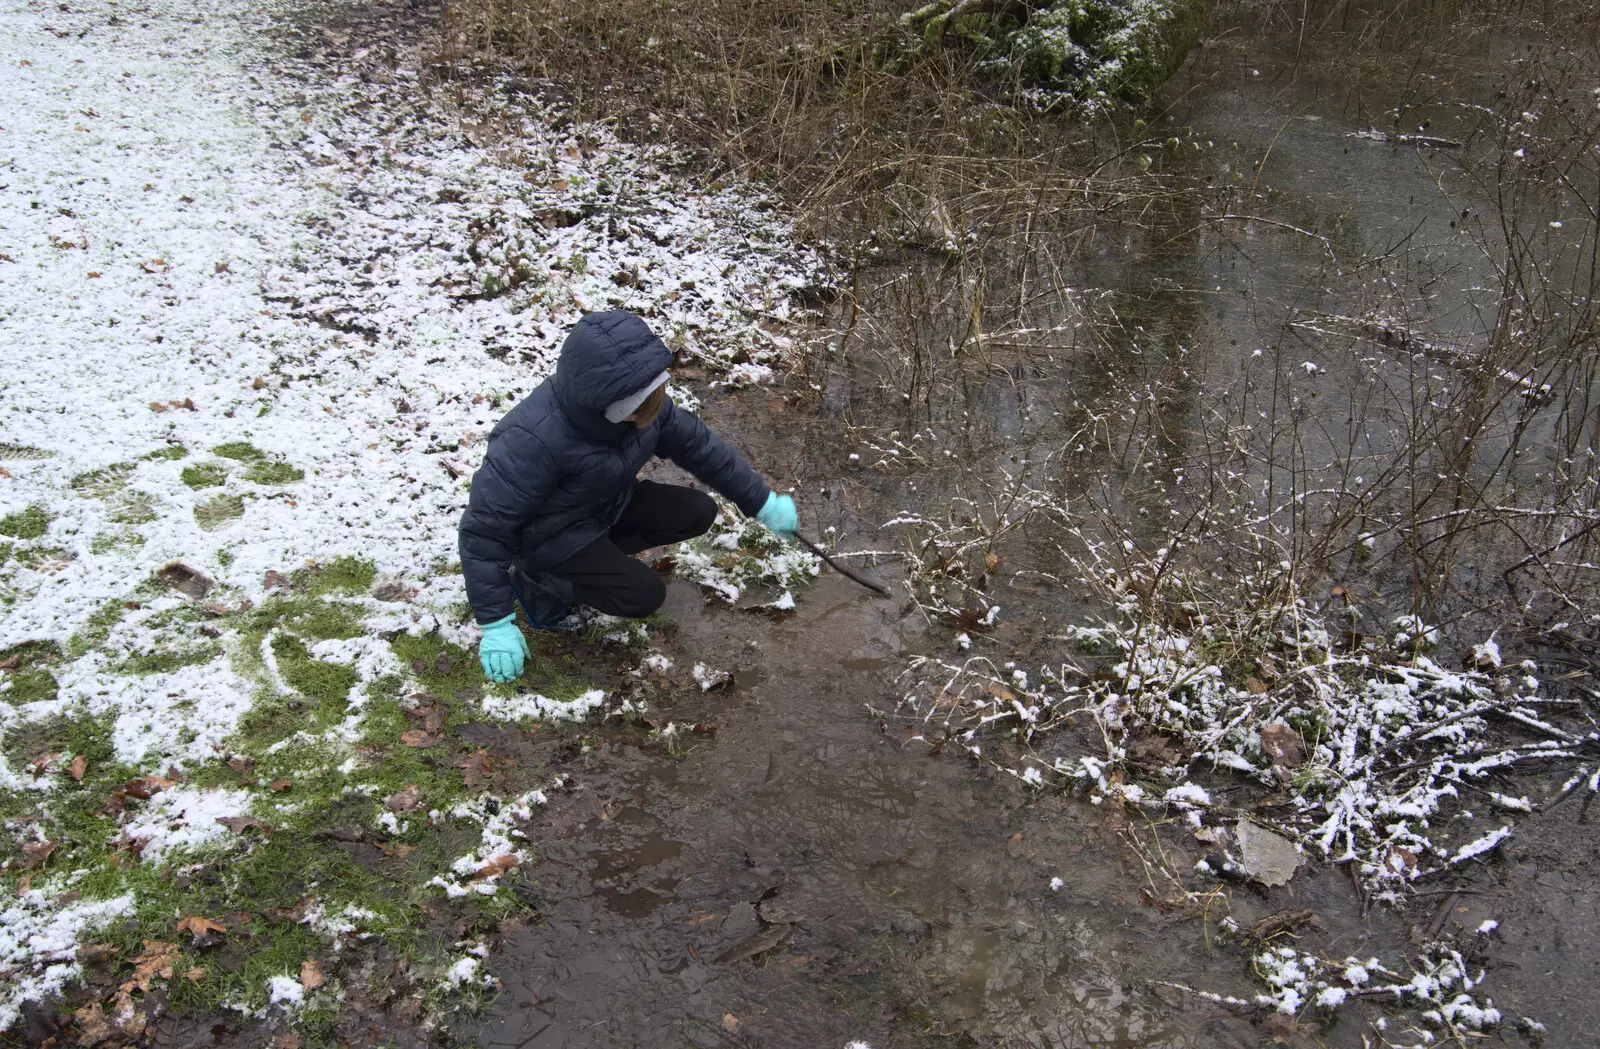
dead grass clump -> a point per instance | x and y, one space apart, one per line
802 95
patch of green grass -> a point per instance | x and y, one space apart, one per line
96 629
274 473
458 672
214 513
225 558
109 542
325 684
204 475
272 874
171 453
22 451
31 680
35 556
239 451
134 508
102 482
342 575
322 620
165 660
31 523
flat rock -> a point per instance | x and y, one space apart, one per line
1269 858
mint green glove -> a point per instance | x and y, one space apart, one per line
502 649
778 514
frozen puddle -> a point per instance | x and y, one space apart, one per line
258 315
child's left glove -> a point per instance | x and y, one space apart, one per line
502 649
779 515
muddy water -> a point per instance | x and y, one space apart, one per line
900 899
805 876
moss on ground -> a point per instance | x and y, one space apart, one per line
306 774
30 523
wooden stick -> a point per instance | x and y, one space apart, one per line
841 569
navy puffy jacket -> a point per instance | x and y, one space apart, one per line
558 475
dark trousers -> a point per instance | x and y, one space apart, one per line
604 575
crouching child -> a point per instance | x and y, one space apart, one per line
557 510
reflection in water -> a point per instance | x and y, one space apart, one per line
917 889
911 917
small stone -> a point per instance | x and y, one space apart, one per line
394 590
186 579
1269 858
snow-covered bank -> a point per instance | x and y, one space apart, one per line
259 314
193 222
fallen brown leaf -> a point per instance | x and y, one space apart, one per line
999 691
244 768
288 1040
96 953
154 962
1282 745
404 800
476 769
92 1026
499 865
394 848
311 975
79 766
25 885
730 1022
295 914
240 824
280 785
416 737
145 786
196 925
195 974
35 853
11 662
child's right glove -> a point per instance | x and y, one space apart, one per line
502 649
779 515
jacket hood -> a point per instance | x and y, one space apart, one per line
606 357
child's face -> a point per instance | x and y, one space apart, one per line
646 413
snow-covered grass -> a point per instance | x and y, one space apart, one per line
260 313
1381 754
739 553
1437 994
